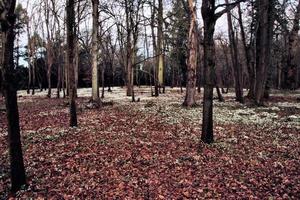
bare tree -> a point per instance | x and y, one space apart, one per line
264 35
291 71
210 17
234 58
95 49
192 60
70 22
7 20
160 49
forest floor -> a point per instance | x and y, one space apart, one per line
151 149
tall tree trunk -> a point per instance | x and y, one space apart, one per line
226 67
49 47
95 76
292 66
103 80
129 49
63 80
58 80
209 66
29 58
29 78
234 58
209 19
192 61
129 68
155 50
160 60
49 64
250 66
77 49
33 77
71 46
17 169
263 47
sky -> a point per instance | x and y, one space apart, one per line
221 25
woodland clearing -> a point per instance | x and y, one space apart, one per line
151 149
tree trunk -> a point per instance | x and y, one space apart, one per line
291 71
71 46
155 51
49 64
209 66
29 58
129 48
220 97
263 47
17 169
160 64
103 80
77 48
250 66
234 58
66 69
33 78
58 80
192 61
95 76
29 78
129 69
63 80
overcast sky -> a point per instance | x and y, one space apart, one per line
221 25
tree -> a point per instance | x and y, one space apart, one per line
247 52
291 71
160 60
49 45
95 48
234 59
133 20
177 38
71 44
264 35
192 60
155 49
210 16
129 47
8 19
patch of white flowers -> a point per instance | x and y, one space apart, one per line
169 107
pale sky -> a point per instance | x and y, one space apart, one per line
221 25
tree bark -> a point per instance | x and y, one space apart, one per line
209 20
192 61
103 80
160 64
95 76
71 65
291 71
49 64
234 58
155 51
250 66
58 80
263 47
129 48
29 78
29 51
220 97
49 48
17 169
